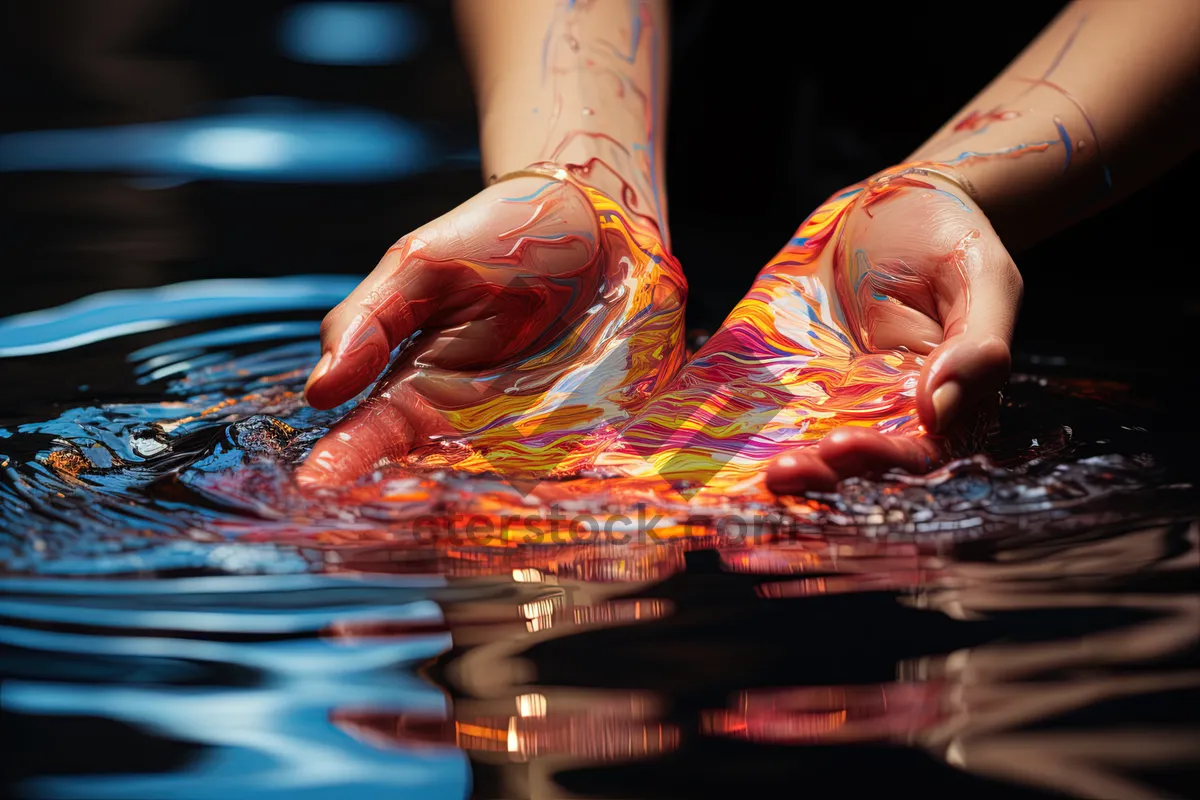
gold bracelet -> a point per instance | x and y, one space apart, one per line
545 170
957 179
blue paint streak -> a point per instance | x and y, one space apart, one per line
1015 148
635 36
956 199
529 196
1066 140
242 334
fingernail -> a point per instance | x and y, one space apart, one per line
787 462
319 371
945 405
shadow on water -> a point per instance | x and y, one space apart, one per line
179 621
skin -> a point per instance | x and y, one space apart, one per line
1103 101
548 303
520 295
836 343
877 344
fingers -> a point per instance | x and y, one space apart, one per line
962 378
359 335
850 452
374 430
801 470
967 370
488 258
407 410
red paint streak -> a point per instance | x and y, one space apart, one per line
877 191
977 119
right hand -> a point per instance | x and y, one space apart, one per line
536 300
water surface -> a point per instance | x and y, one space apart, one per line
180 621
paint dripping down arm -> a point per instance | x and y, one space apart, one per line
578 84
1103 101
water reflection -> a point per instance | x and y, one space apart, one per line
216 687
271 139
122 313
1073 711
1029 664
176 610
345 33
177 621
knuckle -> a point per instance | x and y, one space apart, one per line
328 322
1016 282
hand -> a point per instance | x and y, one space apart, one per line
537 303
892 307
918 268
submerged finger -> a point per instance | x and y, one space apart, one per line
375 430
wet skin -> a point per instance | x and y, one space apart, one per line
848 351
544 315
852 345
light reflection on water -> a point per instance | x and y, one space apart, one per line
257 139
194 627
346 33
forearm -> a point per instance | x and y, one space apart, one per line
580 85
1103 101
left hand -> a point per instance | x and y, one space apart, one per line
886 318
917 267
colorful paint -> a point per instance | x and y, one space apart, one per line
592 386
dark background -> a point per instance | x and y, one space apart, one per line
773 107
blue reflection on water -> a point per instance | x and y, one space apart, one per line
120 313
277 736
260 139
351 33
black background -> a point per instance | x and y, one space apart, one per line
773 107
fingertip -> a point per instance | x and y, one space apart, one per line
960 375
374 430
315 378
846 439
993 355
945 403
310 477
864 452
322 395
799 471
331 463
345 376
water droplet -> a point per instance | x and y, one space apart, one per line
148 442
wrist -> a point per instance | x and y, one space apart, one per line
611 208
1031 175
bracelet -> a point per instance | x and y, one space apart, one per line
932 169
958 179
540 170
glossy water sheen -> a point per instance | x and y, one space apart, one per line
179 620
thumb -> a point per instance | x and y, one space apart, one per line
981 302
